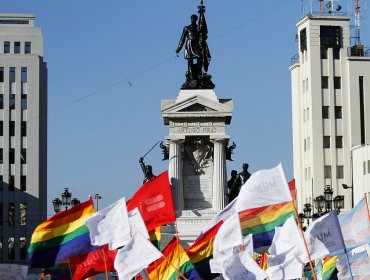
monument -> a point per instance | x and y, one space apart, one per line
197 142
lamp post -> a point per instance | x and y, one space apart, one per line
66 201
97 197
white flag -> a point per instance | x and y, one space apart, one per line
13 271
134 257
242 267
284 266
229 235
264 187
323 236
110 225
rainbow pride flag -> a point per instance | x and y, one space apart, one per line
202 251
155 237
62 236
261 222
175 259
328 267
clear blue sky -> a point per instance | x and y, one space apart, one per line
99 125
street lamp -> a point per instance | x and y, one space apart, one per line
75 202
66 201
66 198
97 197
57 203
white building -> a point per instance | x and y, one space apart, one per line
330 106
23 139
361 172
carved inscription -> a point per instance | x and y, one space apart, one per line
198 187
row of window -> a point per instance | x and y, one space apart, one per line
12 74
326 142
11 248
11 214
16 47
368 167
327 172
337 112
12 156
12 101
325 82
324 53
12 128
11 183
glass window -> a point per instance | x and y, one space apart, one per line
17 47
326 141
1 155
1 217
11 251
11 183
325 112
337 83
11 156
24 156
27 47
24 101
1 186
1 101
23 183
24 74
6 47
1 242
22 248
23 129
340 172
11 213
1 128
368 166
12 128
23 213
12 74
1 74
327 171
11 101
364 168
324 53
336 53
324 82
339 142
338 112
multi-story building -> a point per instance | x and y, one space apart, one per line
23 138
330 106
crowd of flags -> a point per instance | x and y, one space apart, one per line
257 236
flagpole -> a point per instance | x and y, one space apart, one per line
304 241
177 233
70 269
367 205
178 271
105 264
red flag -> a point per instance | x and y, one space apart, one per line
154 200
92 263
292 189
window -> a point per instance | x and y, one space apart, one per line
325 112
1 101
11 213
27 47
24 74
12 128
303 39
1 156
364 168
1 239
1 185
336 53
24 102
17 47
11 101
23 129
6 47
368 166
11 156
326 142
24 156
324 82
308 143
1 128
305 145
11 183
1 220
11 251
327 171
337 83
1 74
340 172
22 248
12 74
324 53
339 142
330 36
23 213
338 112
23 183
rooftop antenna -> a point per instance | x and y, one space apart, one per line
321 3
357 22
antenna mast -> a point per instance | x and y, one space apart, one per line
357 22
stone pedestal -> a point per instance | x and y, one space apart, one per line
197 144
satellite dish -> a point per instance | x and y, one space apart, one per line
338 8
328 5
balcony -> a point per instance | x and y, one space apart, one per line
358 51
294 59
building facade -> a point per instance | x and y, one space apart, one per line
23 134
330 106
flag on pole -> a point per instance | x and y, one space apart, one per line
134 257
110 225
155 202
328 267
360 267
92 263
174 258
62 236
155 237
137 223
229 235
265 187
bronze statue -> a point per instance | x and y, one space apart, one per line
147 170
194 36
230 151
165 151
244 175
239 180
233 190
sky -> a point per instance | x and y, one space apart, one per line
110 63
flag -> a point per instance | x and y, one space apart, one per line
318 269
134 257
323 236
13 271
229 235
110 225
265 187
137 223
264 261
92 263
261 223
242 266
355 226
202 251
360 267
155 237
328 267
154 200
284 266
174 258
62 236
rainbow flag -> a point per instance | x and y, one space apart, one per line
155 237
328 267
62 236
261 222
175 258
202 251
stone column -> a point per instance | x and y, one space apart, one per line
175 174
219 173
